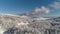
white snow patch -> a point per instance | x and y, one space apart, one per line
2 30
41 18
22 23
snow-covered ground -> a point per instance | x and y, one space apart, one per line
36 24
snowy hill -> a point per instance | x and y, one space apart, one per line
13 24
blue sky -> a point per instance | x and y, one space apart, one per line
21 6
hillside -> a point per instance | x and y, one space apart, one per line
15 24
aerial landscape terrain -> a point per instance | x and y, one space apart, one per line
29 16
16 24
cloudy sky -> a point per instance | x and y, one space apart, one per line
31 7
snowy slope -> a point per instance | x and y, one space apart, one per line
22 23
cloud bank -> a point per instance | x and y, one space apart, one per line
37 11
55 5
43 9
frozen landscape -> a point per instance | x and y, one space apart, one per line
16 24
29 16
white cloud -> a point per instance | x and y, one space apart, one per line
37 11
42 10
55 5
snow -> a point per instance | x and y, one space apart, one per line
22 23
41 18
2 30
